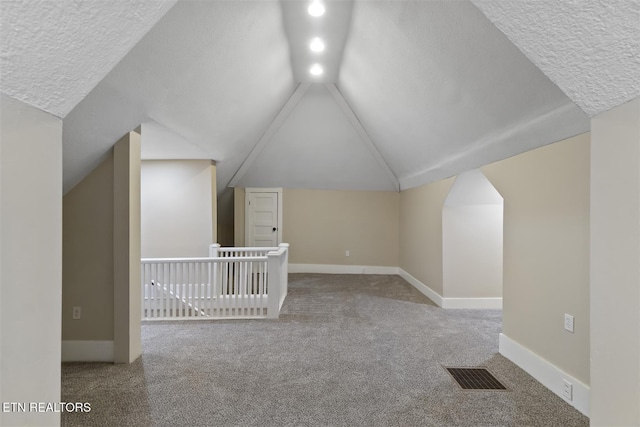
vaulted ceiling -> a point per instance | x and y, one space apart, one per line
412 91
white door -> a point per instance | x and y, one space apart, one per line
262 218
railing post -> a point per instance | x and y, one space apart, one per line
142 277
284 271
273 285
213 250
286 256
213 281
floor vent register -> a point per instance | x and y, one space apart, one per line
475 379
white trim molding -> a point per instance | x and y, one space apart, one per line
341 269
424 289
452 303
87 351
546 373
473 303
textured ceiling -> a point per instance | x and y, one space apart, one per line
53 53
589 48
414 91
441 91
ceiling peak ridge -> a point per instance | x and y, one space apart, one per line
264 140
318 146
362 132
302 28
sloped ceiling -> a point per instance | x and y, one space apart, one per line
216 73
317 147
589 48
428 88
441 92
162 144
54 53
300 28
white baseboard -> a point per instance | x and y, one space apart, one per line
424 289
87 351
473 303
544 372
452 303
341 269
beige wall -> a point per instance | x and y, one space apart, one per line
177 208
320 225
101 258
127 340
421 232
30 260
615 271
87 266
546 247
546 250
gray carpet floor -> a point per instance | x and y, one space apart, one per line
348 350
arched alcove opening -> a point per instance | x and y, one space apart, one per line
472 238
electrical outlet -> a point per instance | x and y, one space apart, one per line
567 391
347 253
77 312
568 322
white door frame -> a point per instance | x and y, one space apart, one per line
247 192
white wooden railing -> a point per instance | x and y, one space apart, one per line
230 283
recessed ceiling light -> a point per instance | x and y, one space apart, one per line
316 8
316 69
317 45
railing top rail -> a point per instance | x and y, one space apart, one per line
277 251
245 249
208 259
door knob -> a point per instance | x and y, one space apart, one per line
274 229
